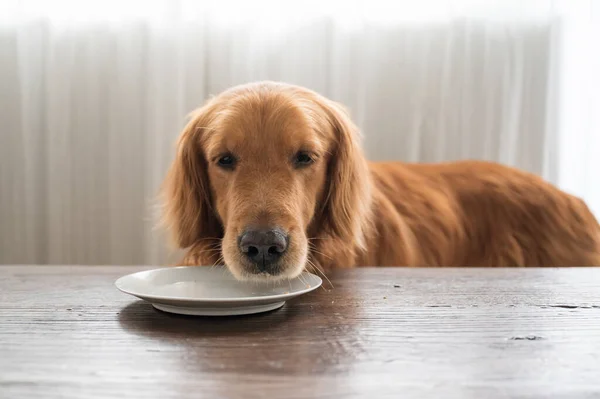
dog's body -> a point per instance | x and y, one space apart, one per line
332 208
474 213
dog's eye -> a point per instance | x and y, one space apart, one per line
303 158
227 161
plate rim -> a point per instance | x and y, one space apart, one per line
208 300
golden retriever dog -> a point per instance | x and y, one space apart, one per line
270 179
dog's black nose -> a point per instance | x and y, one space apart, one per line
263 247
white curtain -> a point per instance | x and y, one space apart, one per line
93 95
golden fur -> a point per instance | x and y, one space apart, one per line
343 211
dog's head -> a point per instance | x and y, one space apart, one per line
267 167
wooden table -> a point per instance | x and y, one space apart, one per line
66 332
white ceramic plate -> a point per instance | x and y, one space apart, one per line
212 291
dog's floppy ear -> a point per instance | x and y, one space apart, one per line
347 208
187 206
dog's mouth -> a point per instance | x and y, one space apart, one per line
265 255
247 271
261 268
263 276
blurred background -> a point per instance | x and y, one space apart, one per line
94 93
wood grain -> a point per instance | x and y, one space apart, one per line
66 332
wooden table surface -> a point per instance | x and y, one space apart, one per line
67 332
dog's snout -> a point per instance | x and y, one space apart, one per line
263 247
